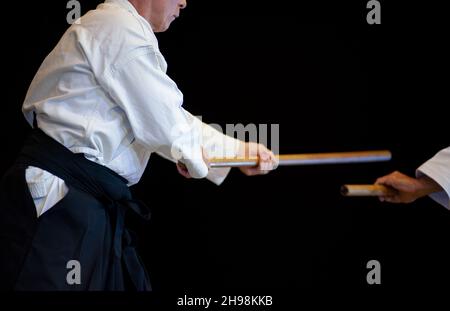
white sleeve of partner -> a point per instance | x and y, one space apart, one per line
438 169
216 144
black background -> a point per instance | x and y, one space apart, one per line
333 83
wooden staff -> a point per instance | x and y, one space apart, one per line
366 190
310 159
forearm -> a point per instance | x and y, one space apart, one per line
426 186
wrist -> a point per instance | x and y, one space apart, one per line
426 186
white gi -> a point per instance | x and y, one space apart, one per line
438 169
103 91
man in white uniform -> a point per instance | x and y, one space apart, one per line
101 104
432 178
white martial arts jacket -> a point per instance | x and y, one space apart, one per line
438 169
103 91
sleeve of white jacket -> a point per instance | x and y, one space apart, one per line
152 103
216 144
438 169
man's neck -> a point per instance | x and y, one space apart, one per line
143 8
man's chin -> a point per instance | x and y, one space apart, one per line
162 28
